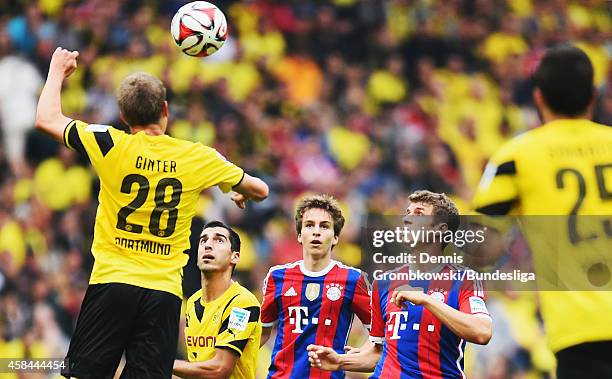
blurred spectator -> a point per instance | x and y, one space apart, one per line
19 86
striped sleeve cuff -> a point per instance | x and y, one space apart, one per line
66 132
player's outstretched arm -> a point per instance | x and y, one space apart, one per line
250 187
221 366
327 359
49 116
473 328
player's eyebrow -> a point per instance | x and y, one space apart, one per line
314 221
415 211
216 235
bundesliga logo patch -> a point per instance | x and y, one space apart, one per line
477 305
238 319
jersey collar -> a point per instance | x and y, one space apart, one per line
315 274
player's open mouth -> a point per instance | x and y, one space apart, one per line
316 243
208 257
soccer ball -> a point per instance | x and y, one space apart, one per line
199 28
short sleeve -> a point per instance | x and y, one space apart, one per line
361 301
497 193
240 325
216 170
377 331
269 308
93 141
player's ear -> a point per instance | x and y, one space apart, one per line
335 240
165 109
122 117
592 103
538 98
299 238
235 257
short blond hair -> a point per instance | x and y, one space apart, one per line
325 202
141 99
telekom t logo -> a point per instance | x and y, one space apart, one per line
397 322
297 315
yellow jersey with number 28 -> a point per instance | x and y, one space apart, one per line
149 187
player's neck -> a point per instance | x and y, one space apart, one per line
548 116
214 285
151 129
316 264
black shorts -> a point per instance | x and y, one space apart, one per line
587 360
117 318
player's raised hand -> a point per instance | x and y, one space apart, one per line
63 62
323 357
239 199
413 295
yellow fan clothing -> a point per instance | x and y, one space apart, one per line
339 138
385 87
562 168
499 46
229 322
60 187
149 189
202 132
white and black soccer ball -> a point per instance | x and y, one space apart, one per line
199 28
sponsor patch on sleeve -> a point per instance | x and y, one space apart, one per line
238 319
96 128
477 305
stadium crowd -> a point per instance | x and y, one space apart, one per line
362 99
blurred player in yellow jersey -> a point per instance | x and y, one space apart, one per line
149 186
223 326
563 168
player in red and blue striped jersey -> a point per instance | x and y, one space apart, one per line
312 301
417 343
419 327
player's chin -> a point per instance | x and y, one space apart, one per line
208 267
317 249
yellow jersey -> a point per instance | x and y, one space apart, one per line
230 322
149 187
563 168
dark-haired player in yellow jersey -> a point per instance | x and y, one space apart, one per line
223 328
563 168
149 186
